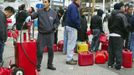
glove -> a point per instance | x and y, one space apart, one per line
28 19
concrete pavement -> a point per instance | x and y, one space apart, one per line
62 68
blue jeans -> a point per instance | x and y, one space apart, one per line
65 41
95 41
1 51
132 43
71 41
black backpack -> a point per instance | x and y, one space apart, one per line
20 19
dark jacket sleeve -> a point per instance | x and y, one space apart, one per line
34 15
56 22
101 25
3 29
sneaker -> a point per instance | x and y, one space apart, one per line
110 66
71 62
118 68
51 67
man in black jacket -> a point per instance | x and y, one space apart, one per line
96 26
9 11
117 25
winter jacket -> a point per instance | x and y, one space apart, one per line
73 16
48 21
20 19
96 22
82 36
117 23
3 28
132 24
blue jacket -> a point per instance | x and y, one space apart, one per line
73 16
48 20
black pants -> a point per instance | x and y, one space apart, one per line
1 50
55 37
42 41
115 51
95 40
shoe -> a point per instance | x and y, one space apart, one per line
64 53
71 62
110 66
118 68
51 67
74 60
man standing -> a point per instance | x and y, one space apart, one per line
96 26
48 23
129 12
117 25
8 12
72 25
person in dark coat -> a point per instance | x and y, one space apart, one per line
117 25
48 24
82 36
96 26
60 14
21 15
8 12
129 11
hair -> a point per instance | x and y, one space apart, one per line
32 9
22 7
10 9
48 1
130 6
118 6
100 12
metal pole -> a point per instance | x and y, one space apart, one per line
93 4
103 5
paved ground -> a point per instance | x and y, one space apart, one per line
64 69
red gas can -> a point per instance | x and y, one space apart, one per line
60 45
5 71
104 46
103 38
106 54
26 59
85 58
100 58
54 47
127 58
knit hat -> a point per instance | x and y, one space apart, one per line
100 12
118 6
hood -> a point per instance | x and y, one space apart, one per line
114 12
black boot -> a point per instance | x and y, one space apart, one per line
51 67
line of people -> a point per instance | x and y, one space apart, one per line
120 25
